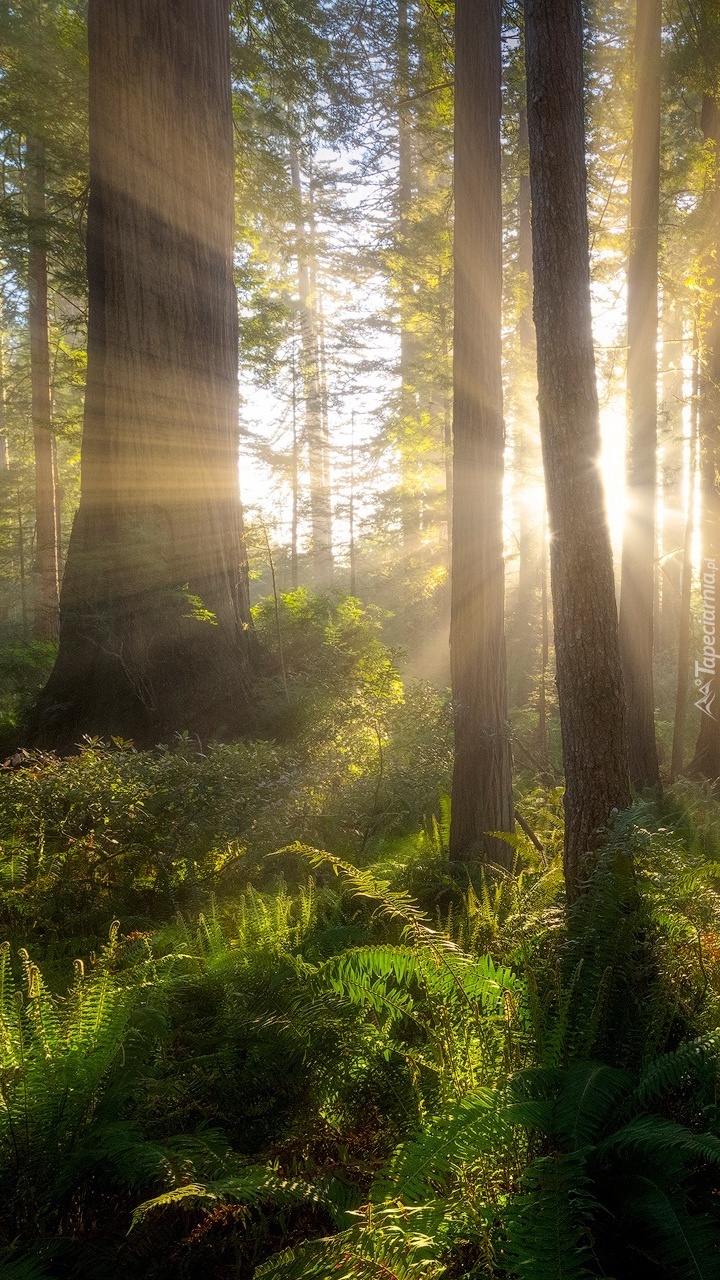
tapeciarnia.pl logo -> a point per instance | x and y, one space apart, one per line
705 671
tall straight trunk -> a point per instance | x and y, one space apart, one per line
589 674
684 611
46 551
154 616
526 451
673 528
637 591
320 511
295 485
706 761
351 511
482 777
409 408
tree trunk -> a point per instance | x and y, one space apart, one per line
589 674
706 761
482 778
320 514
526 452
46 552
637 594
154 618
684 609
409 408
295 484
673 531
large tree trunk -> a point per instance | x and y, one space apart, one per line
637 594
482 777
706 761
589 674
154 626
46 550
321 557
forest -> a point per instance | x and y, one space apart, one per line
359 684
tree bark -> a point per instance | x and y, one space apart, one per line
46 551
706 761
154 618
637 595
589 674
482 778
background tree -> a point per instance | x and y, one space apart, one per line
637 598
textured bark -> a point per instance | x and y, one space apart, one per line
589 674
157 542
637 594
321 557
46 551
482 777
673 531
706 761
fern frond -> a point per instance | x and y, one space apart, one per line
548 1229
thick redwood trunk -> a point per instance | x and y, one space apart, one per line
46 550
154 631
637 597
482 778
589 674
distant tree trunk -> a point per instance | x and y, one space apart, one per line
683 612
482 778
589 674
320 513
526 465
637 591
154 617
673 531
410 496
46 552
351 511
706 761
294 480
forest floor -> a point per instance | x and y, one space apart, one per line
254 1023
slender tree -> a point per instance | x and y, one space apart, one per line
589 674
482 777
637 597
674 524
315 432
526 460
46 546
154 625
684 617
706 761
